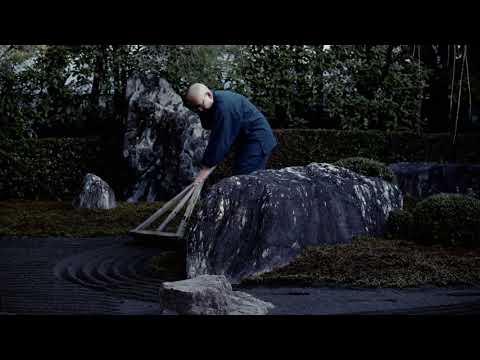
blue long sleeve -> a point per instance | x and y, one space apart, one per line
223 135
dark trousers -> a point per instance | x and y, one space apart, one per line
250 158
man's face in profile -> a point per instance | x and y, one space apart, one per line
200 104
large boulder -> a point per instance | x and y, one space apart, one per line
209 295
422 179
250 224
95 194
164 141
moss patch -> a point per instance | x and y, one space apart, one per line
52 218
370 262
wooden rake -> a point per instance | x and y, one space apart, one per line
190 194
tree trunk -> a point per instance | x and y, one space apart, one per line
120 78
436 108
98 76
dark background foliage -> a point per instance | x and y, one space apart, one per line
384 102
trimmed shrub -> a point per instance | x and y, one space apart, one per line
398 224
409 202
366 167
448 219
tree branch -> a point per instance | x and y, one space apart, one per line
388 63
7 50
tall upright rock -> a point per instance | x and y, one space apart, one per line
164 141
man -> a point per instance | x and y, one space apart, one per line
231 117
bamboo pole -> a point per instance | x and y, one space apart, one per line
163 209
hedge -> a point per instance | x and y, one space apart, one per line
300 147
366 167
54 168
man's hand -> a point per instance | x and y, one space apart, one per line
202 175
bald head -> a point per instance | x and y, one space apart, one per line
196 91
199 97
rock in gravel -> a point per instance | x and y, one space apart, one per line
209 295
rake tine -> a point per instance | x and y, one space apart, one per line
163 209
176 210
188 212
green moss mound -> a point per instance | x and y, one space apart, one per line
449 219
366 167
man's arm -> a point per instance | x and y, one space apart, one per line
221 138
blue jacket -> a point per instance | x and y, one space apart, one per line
231 118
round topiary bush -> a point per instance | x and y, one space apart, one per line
366 167
449 219
398 224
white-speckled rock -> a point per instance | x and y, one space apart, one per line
164 140
95 194
253 223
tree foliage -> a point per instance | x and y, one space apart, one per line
375 87
59 90
284 81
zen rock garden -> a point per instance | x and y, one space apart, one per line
250 224
120 193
